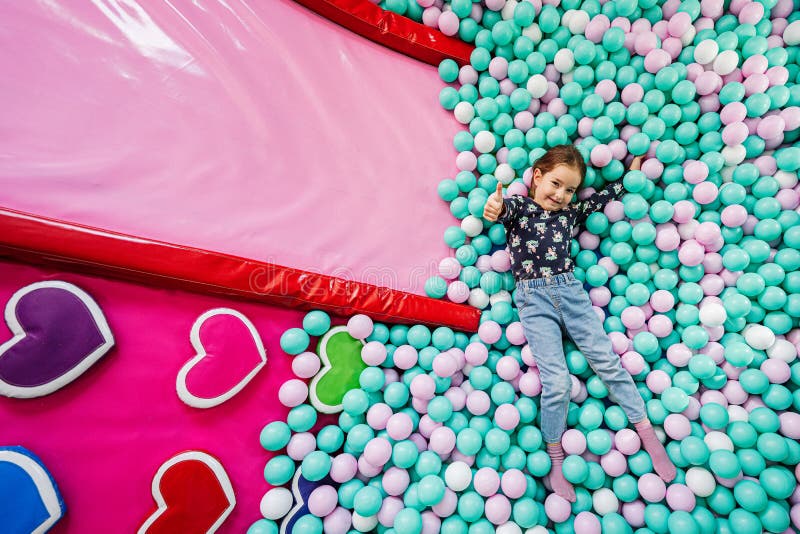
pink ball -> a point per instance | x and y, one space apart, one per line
651 487
405 357
306 365
673 47
465 161
679 355
706 233
431 524
457 397
633 362
705 193
557 508
601 155
449 23
627 441
691 253
530 384
733 113
677 426
734 215
373 353
343 468
790 424
513 483
632 317
450 268
478 402
771 127
667 240
430 16
633 512
614 463
423 386
389 510
501 261
680 497
497 509
656 59
490 332
778 371
679 24
293 393
662 300
596 28
515 333
486 481
587 523
658 381
300 445
338 521
458 291
360 326
378 451
322 500
443 441
476 354
751 13
399 426
660 326
607 90
507 368
523 120
444 365
695 172
573 441
684 211
378 415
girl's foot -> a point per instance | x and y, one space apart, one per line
661 462
561 486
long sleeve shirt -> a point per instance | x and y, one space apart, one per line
539 239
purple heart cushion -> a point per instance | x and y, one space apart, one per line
59 332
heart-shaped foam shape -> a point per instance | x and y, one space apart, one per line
193 494
228 354
58 332
29 498
301 489
341 366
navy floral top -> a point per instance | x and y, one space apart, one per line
539 240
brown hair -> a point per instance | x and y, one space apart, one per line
561 155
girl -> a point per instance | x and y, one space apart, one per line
551 300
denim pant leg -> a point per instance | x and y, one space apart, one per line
586 330
541 323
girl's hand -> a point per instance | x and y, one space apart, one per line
636 163
494 205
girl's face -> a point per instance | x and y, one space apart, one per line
555 189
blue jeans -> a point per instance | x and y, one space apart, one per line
548 306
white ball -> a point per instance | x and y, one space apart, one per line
504 173
537 85
508 10
533 32
508 528
564 60
713 315
364 524
276 503
706 51
688 37
484 141
500 296
458 476
786 179
791 35
604 501
578 21
566 17
716 441
726 62
737 413
758 336
700 481
472 226
464 112
538 529
782 350
478 298
733 155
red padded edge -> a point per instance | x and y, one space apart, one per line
38 239
392 30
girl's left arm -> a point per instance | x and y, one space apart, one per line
598 200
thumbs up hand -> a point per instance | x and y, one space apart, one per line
494 205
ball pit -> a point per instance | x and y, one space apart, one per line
694 273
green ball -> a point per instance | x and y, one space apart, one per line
694 450
575 469
724 463
436 287
294 341
744 522
408 521
279 470
263 526
316 323
404 454
301 418
275 436
683 522
772 447
777 482
598 441
750 496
